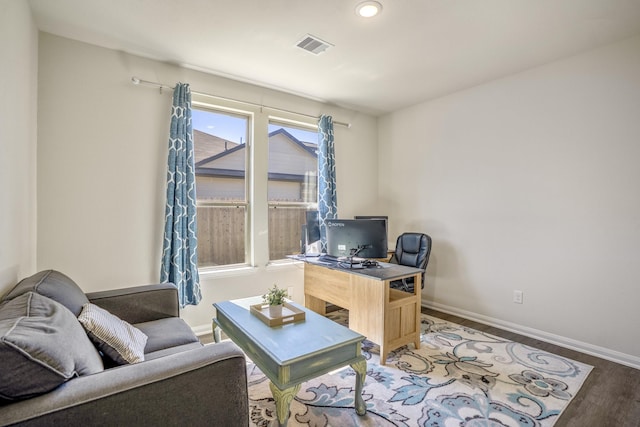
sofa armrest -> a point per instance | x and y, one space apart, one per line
204 386
139 303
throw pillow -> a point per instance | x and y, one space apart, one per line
117 339
52 284
42 345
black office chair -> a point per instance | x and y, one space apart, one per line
413 250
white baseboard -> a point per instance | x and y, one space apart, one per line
583 347
203 330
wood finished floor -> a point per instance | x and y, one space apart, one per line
610 397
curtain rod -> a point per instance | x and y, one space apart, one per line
136 81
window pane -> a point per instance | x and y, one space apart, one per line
292 186
285 230
221 157
221 235
293 164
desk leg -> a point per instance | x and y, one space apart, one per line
283 400
361 373
384 352
418 292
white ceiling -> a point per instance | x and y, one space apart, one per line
413 51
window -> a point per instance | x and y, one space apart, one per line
256 177
292 186
220 145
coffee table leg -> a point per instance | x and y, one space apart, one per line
283 400
216 332
361 373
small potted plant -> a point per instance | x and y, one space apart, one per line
275 298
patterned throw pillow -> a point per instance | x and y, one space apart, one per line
117 339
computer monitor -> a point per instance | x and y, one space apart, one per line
385 217
366 238
310 234
313 226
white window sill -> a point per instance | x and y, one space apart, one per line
227 272
245 270
283 263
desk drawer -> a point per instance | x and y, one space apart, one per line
328 285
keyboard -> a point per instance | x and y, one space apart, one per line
327 258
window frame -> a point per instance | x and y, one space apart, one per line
222 108
256 176
302 125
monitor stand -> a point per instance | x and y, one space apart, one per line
350 263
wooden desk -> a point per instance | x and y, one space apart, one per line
386 316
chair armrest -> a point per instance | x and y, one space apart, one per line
139 303
204 386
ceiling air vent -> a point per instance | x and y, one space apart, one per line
313 44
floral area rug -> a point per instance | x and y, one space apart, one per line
458 377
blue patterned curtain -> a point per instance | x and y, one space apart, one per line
180 247
327 199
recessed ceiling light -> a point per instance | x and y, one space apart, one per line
368 9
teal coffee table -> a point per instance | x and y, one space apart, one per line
293 353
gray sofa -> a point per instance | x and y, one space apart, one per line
180 381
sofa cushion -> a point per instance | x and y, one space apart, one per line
42 345
165 333
54 285
172 350
117 339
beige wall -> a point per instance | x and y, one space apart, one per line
529 183
18 116
102 163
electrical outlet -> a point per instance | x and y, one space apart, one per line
290 292
517 297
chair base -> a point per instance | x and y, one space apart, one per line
402 285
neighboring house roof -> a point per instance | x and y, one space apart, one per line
208 145
286 164
308 146
225 153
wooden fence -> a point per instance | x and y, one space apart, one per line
221 233
285 224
